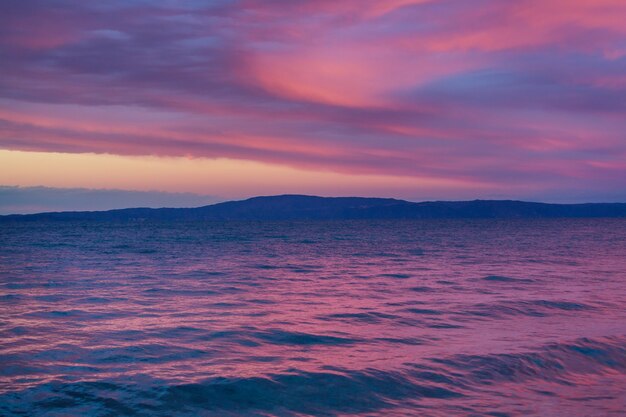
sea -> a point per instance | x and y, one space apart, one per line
495 318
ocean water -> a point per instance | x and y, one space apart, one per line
386 318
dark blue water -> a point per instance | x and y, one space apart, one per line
389 318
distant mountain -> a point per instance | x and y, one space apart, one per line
301 207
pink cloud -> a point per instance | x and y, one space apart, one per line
530 91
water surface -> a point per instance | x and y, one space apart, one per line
386 318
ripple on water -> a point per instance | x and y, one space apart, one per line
530 308
392 318
500 278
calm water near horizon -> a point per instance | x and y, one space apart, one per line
326 318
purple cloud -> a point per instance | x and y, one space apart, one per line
531 92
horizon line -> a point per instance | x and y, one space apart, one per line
309 196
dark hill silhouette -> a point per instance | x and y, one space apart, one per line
301 207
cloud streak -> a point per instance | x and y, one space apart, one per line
528 92
25 200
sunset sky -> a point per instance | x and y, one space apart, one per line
222 99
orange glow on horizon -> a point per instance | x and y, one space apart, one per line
228 178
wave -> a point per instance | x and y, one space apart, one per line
532 308
249 337
365 317
500 278
296 393
554 362
330 392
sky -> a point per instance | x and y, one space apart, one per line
224 99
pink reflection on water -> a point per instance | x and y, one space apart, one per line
525 318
